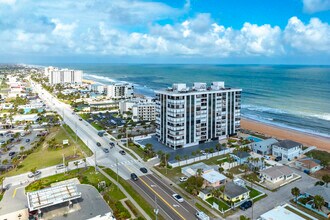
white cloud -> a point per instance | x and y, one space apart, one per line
312 37
8 2
312 6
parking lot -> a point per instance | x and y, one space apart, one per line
157 146
17 143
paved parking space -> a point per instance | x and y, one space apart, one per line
182 152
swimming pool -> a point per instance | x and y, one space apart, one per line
254 139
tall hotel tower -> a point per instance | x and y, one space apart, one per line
189 116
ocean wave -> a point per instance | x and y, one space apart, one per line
97 77
270 121
324 116
263 109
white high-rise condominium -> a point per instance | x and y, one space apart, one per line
120 91
189 116
65 76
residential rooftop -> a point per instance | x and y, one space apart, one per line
233 190
287 144
213 176
277 171
320 190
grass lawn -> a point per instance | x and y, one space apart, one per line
139 151
97 126
253 192
85 176
252 177
297 213
44 157
236 170
173 173
222 205
137 197
85 116
80 143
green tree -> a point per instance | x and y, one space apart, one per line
243 217
326 179
318 202
295 191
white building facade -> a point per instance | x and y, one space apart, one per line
65 76
287 149
189 116
120 91
141 109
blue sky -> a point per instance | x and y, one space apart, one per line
172 31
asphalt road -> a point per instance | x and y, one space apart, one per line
160 195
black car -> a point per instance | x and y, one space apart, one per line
122 152
245 205
105 150
27 140
134 177
144 170
112 144
12 153
98 144
80 119
279 158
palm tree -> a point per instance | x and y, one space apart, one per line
85 162
177 158
194 155
186 157
212 151
199 172
218 146
295 192
318 202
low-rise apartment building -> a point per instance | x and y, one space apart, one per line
189 116
120 91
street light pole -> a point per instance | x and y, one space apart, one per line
156 210
117 171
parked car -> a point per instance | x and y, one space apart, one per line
279 158
134 177
112 144
80 119
245 205
177 197
122 152
37 173
202 216
27 140
183 179
98 144
144 170
105 150
12 153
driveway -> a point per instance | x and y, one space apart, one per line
281 196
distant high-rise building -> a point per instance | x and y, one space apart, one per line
65 76
120 91
189 116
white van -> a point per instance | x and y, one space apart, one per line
202 216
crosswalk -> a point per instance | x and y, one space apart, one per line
127 162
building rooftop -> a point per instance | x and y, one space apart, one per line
287 144
309 162
198 87
266 142
233 190
280 213
52 196
213 176
192 169
277 171
242 154
320 190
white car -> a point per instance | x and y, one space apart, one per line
183 179
177 197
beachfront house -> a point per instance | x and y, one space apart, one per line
319 190
308 165
213 179
234 193
263 147
287 149
240 156
276 174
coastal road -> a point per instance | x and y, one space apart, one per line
160 195
149 185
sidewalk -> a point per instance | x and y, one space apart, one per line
145 215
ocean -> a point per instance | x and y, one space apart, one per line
296 97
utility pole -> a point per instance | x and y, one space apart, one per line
252 199
165 162
156 210
95 161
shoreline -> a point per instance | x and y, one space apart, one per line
322 143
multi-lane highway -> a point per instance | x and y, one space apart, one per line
149 186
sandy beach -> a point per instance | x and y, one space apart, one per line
320 142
